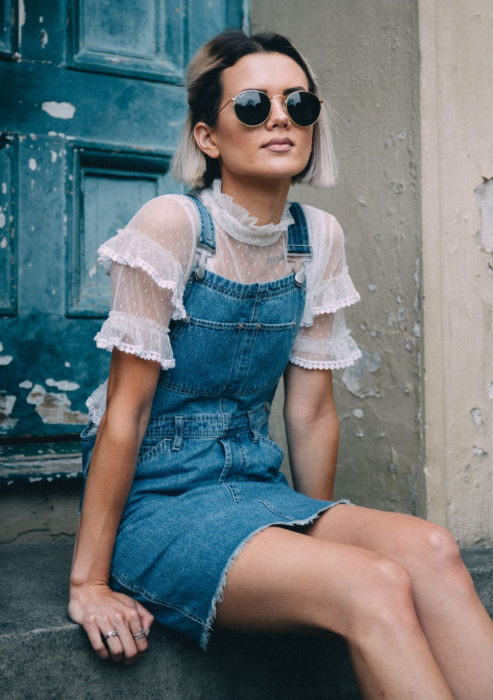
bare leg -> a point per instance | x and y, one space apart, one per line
457 627
284 580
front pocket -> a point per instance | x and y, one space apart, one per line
216 357
151 446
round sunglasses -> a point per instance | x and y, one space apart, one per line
253 107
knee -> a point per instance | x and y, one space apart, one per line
440 553
439 548
387 603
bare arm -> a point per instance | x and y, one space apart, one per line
131 388
312 430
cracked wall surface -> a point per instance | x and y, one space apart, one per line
366 55
457 171
411 86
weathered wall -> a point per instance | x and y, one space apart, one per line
457 158
365 53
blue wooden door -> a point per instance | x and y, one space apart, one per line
92 104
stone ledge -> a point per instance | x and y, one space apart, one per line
44 655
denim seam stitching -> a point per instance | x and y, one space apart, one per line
154 599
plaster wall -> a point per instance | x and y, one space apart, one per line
457 167
365 53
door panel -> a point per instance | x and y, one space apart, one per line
93 111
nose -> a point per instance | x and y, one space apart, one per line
278 115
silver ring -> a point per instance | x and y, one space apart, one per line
140 635
111 633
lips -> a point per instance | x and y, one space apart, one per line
278 142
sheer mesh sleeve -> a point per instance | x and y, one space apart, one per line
149 261
323 340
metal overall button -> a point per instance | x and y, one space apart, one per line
299 278
199 273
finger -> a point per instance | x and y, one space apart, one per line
146 617
139 634
124 626
112 640
96 641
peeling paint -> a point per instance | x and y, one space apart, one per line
360 379
92 271
67 364
54 156
43 38
358 413
21 20
6 359
54 408
26 384
59 110
479 452
62 384
32 164
4 188
476 417
484 198
3 243
3 220
372 287
7 403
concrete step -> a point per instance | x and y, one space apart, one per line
44 655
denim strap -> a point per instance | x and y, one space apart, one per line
207 238
298 238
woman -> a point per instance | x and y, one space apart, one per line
185 516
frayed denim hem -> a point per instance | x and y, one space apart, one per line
219 594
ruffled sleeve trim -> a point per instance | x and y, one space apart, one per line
333 294
326 364
137 336
96 403
334 351
133 249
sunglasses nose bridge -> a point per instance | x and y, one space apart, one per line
278 108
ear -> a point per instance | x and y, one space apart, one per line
204 138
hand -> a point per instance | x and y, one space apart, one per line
101 611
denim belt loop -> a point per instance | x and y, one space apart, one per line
253 423
178 438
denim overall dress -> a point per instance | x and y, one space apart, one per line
207 476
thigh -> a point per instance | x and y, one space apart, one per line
283 580
412 542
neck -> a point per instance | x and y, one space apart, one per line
263 199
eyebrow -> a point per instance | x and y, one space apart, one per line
287 91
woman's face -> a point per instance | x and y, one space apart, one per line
278 148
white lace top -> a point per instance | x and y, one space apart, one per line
151 259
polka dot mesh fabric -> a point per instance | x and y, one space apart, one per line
151 259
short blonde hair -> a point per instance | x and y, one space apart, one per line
204 89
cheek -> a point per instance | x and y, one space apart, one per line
234 141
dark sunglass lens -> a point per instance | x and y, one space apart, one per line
252 107
303 108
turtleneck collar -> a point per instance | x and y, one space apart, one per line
238 223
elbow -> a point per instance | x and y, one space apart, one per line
306 414
125 422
